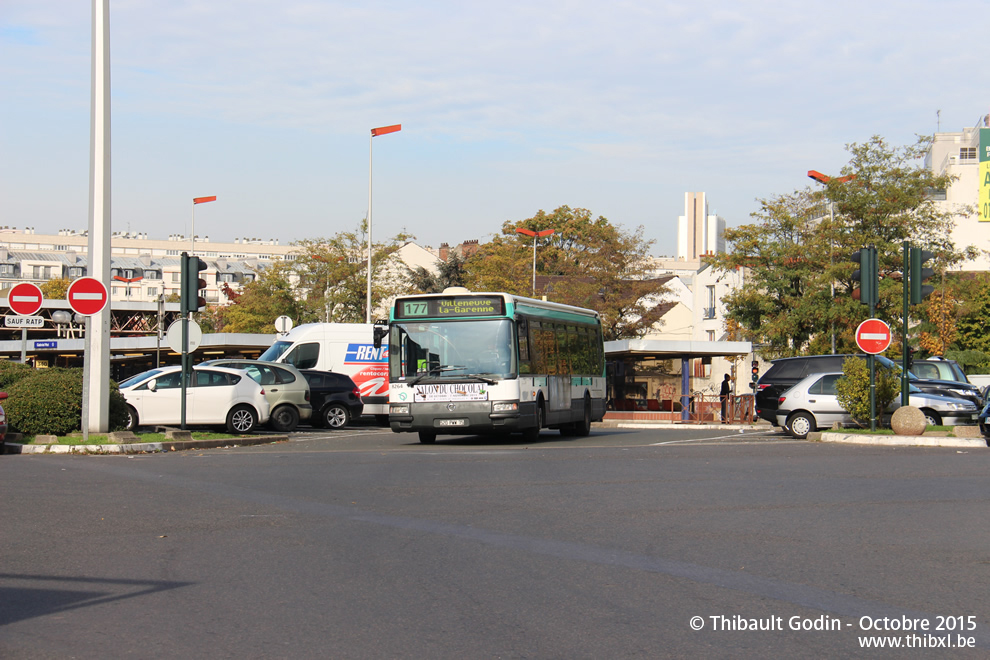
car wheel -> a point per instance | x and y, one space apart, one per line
335 416
931 417
284 419
427 437
241 419
801 424
132 419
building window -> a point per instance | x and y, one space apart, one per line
152 275
225 277
77 272
6 269
176 277
711 335
967 153
152 291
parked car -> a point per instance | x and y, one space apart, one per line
336 398
787 372
285 388
938 368
215 396
813 404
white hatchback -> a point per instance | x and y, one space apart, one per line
214 396
813 404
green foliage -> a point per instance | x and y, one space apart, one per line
332 275
853 389
587 262
56 288
449 273
797 255
11 372
49 402
262 301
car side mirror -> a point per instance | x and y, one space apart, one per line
153 385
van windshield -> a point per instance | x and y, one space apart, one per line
275 352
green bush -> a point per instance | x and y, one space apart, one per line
11 372
853 389
49 402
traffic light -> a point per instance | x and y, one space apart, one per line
909 354
190 300
919 274
756 371
866 275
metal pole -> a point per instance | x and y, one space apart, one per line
96 389
905 394
534 265
192 230
871 360
371 141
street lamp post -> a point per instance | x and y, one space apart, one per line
197 200
375 132
536 236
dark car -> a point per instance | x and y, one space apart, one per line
938 368
786 372
336 399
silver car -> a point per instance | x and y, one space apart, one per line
812 404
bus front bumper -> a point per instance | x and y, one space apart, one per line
462 418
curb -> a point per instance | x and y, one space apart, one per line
901 440
145 447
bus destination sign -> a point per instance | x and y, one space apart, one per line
450 307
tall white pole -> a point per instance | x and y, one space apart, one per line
192 229
96 379
371 141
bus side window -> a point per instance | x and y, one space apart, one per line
522 331
304 356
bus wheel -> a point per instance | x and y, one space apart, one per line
583 428
533 434
427 437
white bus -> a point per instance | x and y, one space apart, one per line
470 363
345 348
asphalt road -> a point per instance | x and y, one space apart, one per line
366 544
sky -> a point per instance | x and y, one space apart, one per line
507 108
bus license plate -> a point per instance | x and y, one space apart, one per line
453 422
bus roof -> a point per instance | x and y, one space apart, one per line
513 303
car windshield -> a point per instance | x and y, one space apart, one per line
451 349
134 380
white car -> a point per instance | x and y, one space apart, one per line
812 404
214 396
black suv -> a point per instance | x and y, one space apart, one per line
786 372
336 399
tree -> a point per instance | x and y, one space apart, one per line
56 288
332 274
449 273
794 298
269 296
586 262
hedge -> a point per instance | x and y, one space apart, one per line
49 402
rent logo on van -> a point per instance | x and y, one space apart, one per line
365 354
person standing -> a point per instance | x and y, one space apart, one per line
724 396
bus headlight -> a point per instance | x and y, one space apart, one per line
399 409
505 406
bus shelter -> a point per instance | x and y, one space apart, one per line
643 379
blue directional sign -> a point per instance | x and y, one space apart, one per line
45 344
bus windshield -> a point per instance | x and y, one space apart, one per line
433 349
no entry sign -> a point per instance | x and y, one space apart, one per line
873 336
87 296
25 299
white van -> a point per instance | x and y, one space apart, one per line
344 348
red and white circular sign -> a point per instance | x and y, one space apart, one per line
87 296
25 299
873 336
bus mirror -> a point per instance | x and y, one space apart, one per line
380 332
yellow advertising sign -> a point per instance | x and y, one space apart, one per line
983 207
